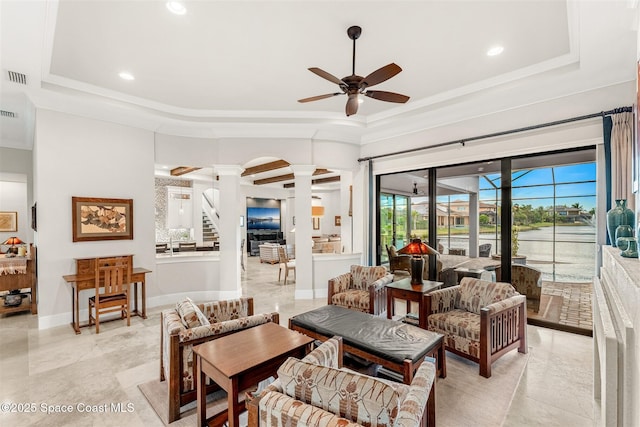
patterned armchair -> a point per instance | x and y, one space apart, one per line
480 320
527 281
362 289
315 391
190 324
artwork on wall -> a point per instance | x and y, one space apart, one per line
101 219
8 221
263 218
316 223
338 221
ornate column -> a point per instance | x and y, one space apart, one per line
229 223
304 260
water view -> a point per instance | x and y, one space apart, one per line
575 250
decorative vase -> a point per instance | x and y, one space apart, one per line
620 214
632 249
622 233
623 242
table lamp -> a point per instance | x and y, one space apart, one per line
416 248
13 241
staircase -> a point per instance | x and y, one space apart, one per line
209 232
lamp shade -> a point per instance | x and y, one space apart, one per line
317 210
13 241
415 247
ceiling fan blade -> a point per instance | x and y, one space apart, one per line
352 104
380 75
317 98
327 76
387 96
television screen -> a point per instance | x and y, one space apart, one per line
263 218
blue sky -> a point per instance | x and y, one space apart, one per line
570 186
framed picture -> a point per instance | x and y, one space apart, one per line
8 221
101 219
337 221
316 223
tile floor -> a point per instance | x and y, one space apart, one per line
54 368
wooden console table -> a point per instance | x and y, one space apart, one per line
84 279
19 280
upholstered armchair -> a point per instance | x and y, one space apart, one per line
191 324
363 289
315 391
527 280
480 320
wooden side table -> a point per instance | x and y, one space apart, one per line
263 348
403 289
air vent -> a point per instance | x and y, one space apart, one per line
17 77
9 114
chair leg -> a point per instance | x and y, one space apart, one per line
286 274
97 321
279 274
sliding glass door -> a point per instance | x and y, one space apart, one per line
394 222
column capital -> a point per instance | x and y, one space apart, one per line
303 170
228 170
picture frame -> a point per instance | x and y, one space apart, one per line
8 221
101 219
316 223
337 221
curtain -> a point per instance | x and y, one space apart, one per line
621 153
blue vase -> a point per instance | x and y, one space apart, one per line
620 214
623 232
632 249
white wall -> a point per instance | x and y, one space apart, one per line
88 158
14 199
16 193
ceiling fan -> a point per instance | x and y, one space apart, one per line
353 85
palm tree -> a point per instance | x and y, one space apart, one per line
577 206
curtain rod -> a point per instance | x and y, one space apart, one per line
502 133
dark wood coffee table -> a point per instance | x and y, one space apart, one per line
241 360
397 346
403 289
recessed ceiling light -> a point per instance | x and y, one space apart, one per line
126 76
176 7
495 50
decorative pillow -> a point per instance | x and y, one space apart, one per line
359 398
190 314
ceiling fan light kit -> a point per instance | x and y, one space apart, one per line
355 85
